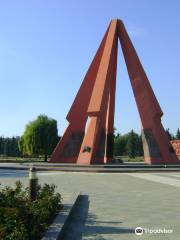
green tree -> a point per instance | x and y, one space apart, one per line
139 151
1 145
9 146
169 134
120 142
178 134
128 144
40 137
132 144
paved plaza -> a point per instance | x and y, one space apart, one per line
119 202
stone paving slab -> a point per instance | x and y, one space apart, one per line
120 202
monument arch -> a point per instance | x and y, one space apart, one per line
95 102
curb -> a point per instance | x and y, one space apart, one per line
57 230
97 170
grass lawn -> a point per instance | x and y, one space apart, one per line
128 159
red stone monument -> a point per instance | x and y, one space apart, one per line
176 147
88 138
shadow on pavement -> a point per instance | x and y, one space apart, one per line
82 225
95 229
76 224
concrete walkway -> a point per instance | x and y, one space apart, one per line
120 202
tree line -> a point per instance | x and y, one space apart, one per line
130 144
9 146
41 136
172 136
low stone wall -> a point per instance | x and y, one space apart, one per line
61 228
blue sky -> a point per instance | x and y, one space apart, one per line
47 46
